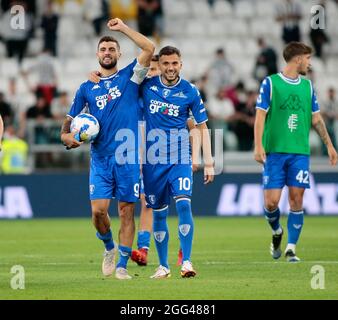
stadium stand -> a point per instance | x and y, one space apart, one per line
195 27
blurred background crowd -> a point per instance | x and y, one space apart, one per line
228 48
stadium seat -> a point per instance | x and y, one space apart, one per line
222 9
244 9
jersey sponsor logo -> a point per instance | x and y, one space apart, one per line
165 93
164 108
154 88
159 235
180 95
292 122
184 229
293 103
101 101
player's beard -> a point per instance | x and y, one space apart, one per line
171 78
108 66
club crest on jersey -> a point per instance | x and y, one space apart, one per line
107 84
165 93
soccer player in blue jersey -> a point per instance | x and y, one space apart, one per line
114 102
167 172
286 108
140 255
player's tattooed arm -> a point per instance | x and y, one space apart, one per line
319 125
67 137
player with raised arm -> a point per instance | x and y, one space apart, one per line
114 102
167 172
286 107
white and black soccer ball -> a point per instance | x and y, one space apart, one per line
87 127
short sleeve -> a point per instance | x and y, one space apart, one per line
78 103
197 107
264 97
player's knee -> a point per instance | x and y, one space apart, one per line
271 204
99 213
126 211
296 201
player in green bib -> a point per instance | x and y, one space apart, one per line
286 109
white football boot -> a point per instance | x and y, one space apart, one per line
161 273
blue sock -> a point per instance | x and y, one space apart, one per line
295 225
124 254
143 239
161 234
107 239
272 218
185 226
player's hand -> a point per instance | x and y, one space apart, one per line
260 155
116 24
332 155
70 141
194 167
94 77
209 173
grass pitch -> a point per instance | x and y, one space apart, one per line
62 260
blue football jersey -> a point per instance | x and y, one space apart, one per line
114 101
166 110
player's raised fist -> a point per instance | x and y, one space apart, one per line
116 24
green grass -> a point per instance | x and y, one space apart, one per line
62 260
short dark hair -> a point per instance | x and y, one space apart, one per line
294 49
168 51
155 58
108 39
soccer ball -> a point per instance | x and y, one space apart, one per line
87 127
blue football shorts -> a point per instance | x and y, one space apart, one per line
162 181
109 179
282 169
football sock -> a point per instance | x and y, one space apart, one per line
124 254
143 239
273 219
295 225
185 226
107 239
161 234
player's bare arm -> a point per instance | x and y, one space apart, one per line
141 41
259 152
194 151
209 172
1 130
67 137
319 125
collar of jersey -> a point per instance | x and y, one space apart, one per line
159 77
289 80
111 76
